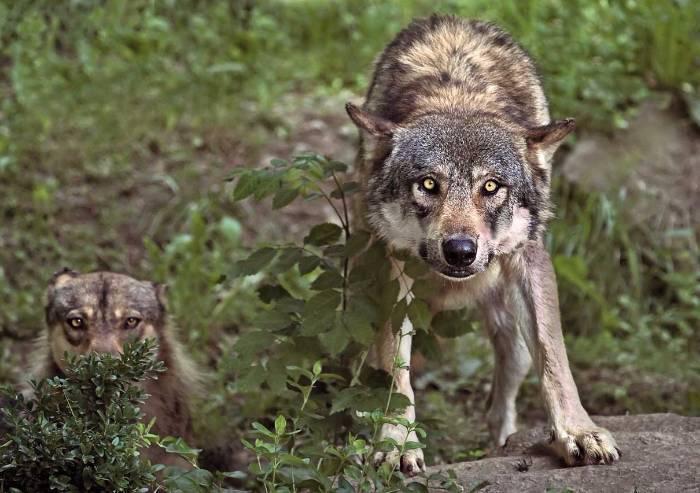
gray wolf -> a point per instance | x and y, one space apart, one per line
100 312
456 144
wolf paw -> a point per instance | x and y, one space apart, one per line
411 462
581 447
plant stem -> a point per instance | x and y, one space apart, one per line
356 376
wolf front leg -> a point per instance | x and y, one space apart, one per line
392 349
575 437
511 365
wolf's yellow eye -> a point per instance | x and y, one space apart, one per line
490 186
132 322
429 184
76 322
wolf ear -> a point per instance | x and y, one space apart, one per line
550 136
62 276
374 125
161 294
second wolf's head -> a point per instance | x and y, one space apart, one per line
457 190
100 312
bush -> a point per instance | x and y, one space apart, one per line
83 432
324 302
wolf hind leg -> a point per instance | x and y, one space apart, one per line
511 364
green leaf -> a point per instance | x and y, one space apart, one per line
427 343
345 398
416 487
335 166
272 320
357 242
419 314
337 251
320 312
256 262
398 315
293 460
415 268
246 185
389 297
260 428
267 183
193 481
399 402
372 264
360 319
413 445
450 324
308 264
289 305
277 376
284 196
424 289
286 260
234 474
348 188
280 425
176 445
327 280
230 229
361 276
252 342
334 341
252 379
271 292
323 234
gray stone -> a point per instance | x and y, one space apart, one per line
661 453
654 164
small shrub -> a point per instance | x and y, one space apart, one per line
323 303
83 432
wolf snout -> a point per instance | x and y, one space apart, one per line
459 251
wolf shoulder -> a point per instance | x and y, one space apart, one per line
445 62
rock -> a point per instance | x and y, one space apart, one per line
654 164
660 453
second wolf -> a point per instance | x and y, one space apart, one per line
100 312
455 163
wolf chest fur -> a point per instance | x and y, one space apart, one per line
455 162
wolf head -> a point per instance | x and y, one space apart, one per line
457 190
100 312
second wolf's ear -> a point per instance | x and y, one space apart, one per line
161 294
549 137
57 280
372 124
62 276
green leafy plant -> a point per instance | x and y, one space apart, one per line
324 302
84 432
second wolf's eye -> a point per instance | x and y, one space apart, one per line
490 187
131 322
429 185
76 322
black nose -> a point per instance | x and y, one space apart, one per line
460 251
